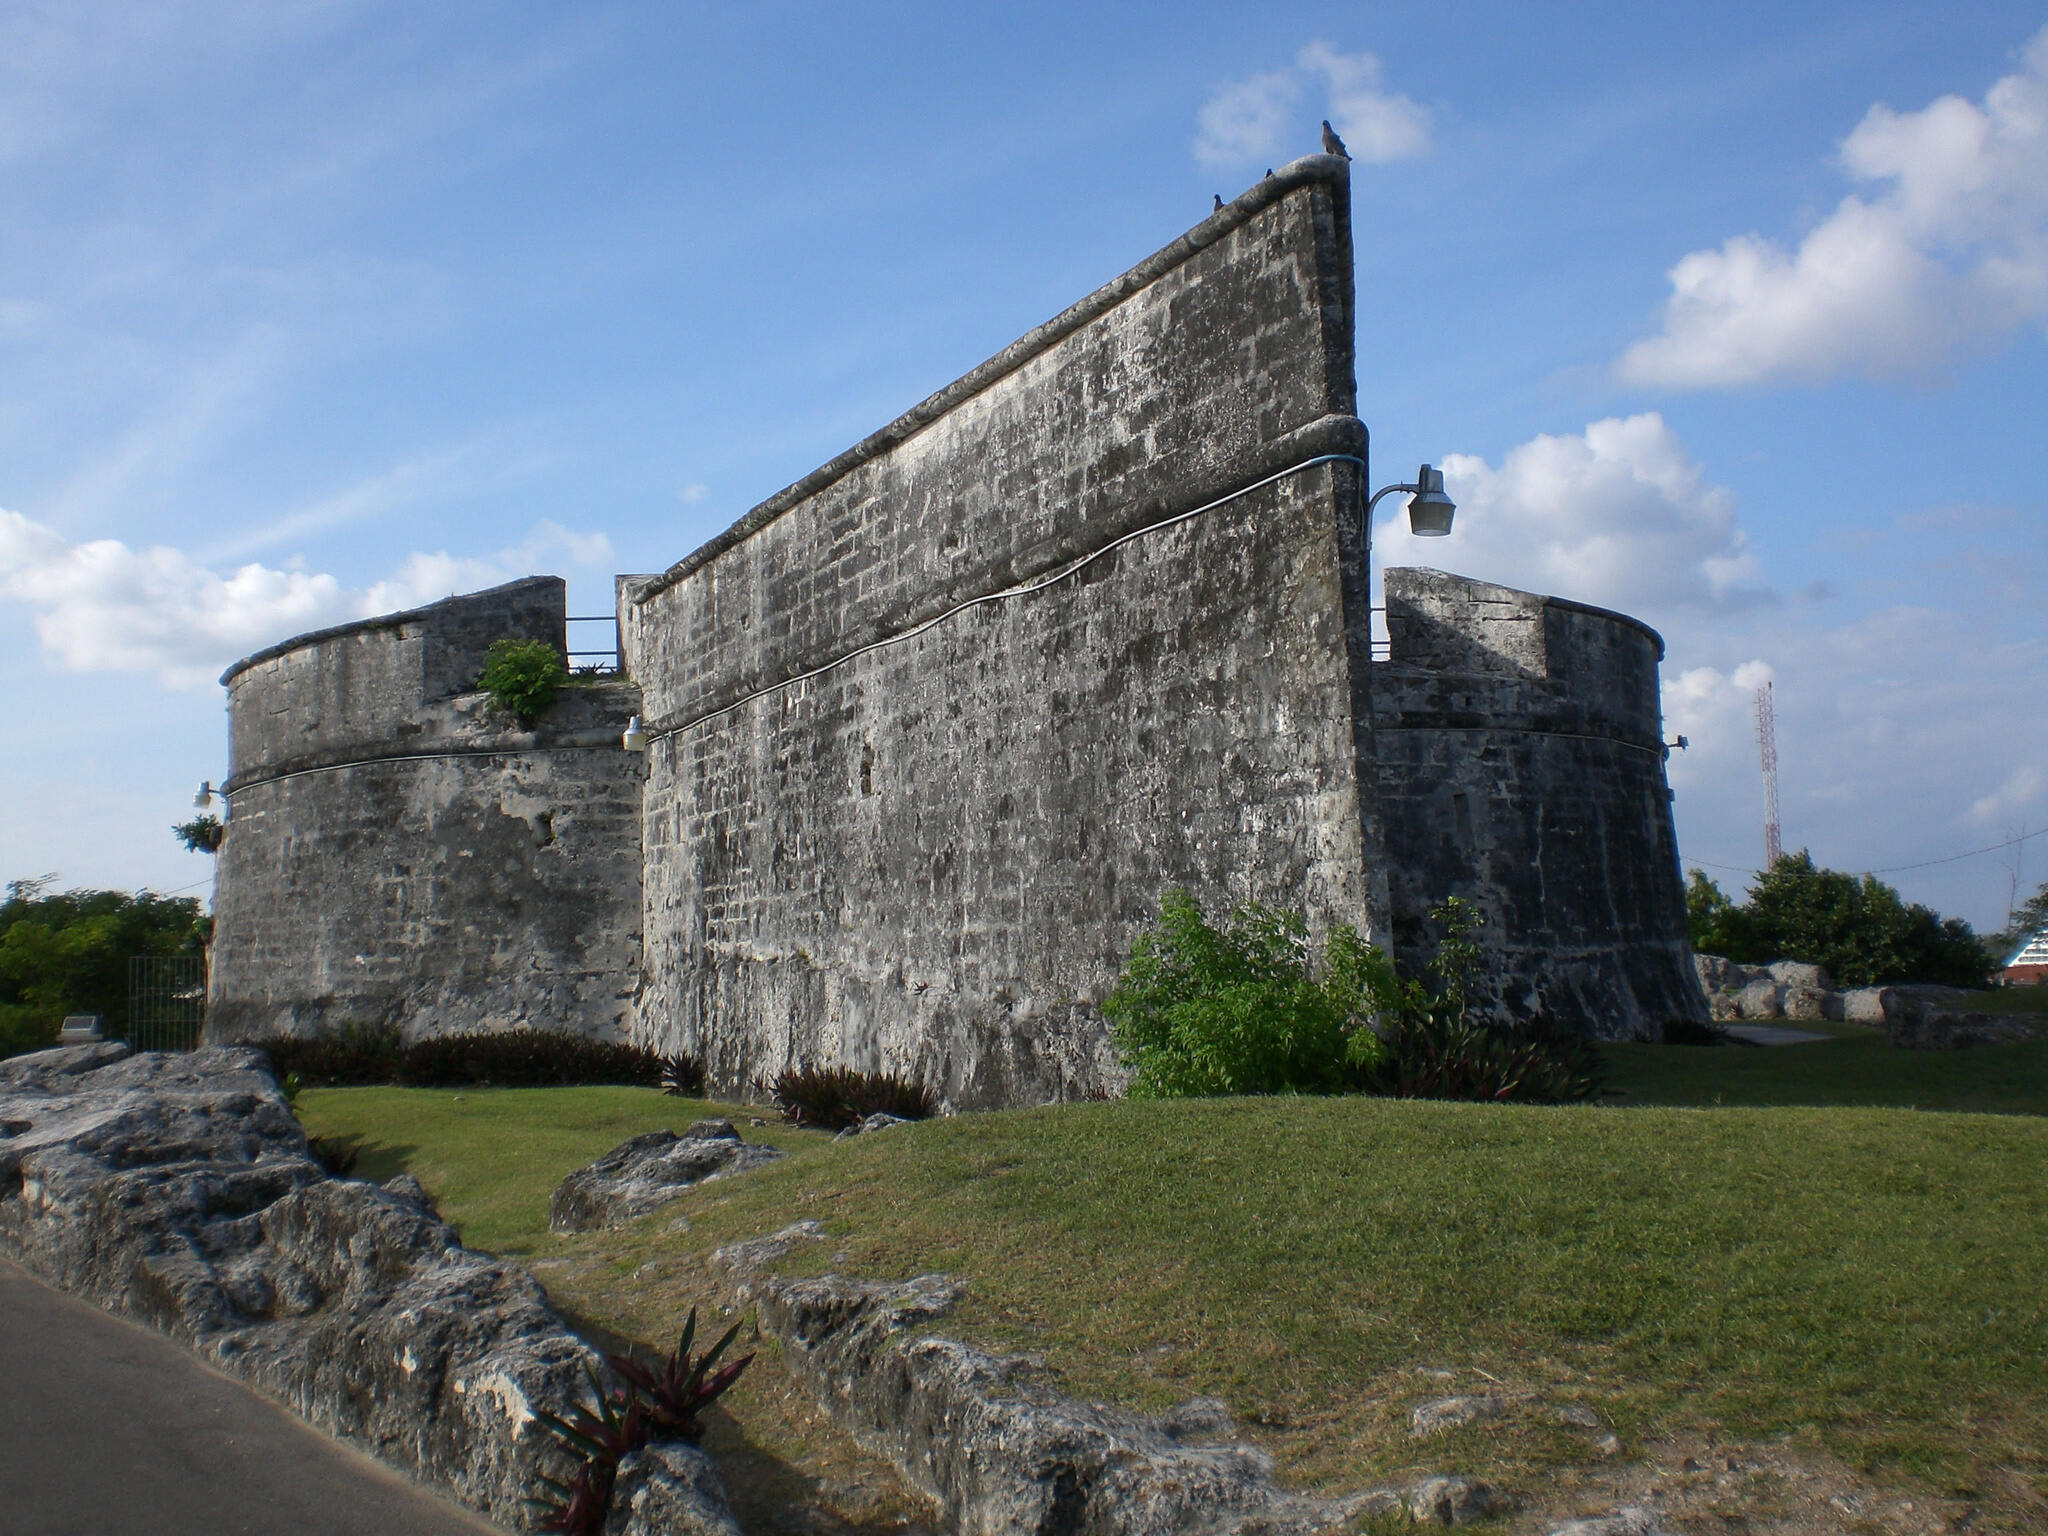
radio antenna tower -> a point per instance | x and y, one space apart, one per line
1767 746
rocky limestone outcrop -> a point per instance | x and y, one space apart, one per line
669 1489
1001 1452
179 1190
649 1171
1914 1017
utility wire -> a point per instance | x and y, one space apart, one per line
1893 869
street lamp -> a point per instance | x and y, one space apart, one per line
1430 510
635 739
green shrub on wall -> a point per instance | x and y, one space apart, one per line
523 676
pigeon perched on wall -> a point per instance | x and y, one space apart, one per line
1219 200
1332 145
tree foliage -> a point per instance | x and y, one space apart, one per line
523 676
1856 926
2028 918
68 953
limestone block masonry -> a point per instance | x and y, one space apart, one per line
1521 766
933 730
400 853
931 858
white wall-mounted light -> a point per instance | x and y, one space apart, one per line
205 796
635 739
1429 509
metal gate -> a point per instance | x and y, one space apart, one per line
166 1001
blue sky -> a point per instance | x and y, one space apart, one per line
1728 315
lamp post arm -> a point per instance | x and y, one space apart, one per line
1388 490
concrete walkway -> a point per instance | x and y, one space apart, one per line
108 1429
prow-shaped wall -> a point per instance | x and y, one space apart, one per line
933 730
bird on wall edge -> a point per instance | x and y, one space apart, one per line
1332 145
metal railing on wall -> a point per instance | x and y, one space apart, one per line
583 658
166 1002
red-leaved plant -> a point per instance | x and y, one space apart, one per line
662 1401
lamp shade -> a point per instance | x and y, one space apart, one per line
1429 509
635 739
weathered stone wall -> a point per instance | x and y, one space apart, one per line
932 857
399 853
1521 767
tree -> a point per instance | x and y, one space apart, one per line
1857 927
2028 919
69 952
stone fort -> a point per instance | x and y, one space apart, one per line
930 732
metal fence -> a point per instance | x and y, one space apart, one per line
581 657
166 1001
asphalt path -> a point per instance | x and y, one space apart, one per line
108 1429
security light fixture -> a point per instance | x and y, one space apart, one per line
635 739
1429 509
205 796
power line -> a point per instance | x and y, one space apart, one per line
1893 869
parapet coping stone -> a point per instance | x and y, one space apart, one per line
1548 601
377 622
1333 171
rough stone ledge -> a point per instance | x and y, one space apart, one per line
1002 1453
179 1190
648 1171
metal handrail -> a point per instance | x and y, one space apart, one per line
616 662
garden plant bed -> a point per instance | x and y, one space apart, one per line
1840 1299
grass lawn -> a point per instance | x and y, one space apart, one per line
1794 1262
1854 1066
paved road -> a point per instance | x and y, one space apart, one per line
107 1429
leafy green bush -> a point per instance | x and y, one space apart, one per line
1245 1009
361 1055
68 953
833 1098
1201 1010
1857 927
523 676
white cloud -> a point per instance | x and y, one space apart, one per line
103 606
1377 125
1618 515
1949 250
1261 117
2019 794
1247 120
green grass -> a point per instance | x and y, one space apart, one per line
1865 1276
2032 999
1854 1066
492 1156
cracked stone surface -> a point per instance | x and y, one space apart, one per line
647 1172
177 1189
996 1448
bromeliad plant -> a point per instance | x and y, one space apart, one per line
663 1401
675 1391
